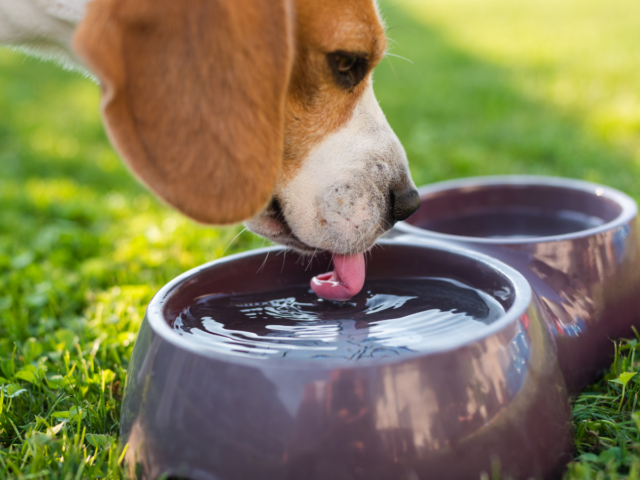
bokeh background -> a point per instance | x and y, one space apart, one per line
471 87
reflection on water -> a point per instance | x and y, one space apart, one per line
389 318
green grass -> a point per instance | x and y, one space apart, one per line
534 86
82 250
607 424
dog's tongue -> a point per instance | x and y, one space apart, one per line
344 282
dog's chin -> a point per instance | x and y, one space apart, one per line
272 225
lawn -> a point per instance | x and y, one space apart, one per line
533 86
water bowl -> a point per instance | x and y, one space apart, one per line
575 242
441 368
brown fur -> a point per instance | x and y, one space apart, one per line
316 105
205 99
194 97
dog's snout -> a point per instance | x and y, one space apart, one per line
404 203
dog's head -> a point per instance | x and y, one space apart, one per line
254 110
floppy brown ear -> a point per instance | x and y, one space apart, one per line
193 96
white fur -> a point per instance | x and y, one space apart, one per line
43 27
340 199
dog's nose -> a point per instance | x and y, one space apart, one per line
404 203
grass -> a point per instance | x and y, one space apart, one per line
534 86
607 422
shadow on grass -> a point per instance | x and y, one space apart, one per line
458 115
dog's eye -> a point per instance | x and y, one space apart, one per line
345 63
349 69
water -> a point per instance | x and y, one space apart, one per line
515 222
389 318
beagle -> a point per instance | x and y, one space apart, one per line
260 111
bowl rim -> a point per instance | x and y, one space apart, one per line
629 208
522 303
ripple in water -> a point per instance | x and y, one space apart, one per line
389 318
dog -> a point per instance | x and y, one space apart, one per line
243 110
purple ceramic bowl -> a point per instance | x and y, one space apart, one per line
575 242
452 411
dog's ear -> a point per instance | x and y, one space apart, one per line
193 96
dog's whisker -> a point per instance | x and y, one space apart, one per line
389 54
392 67
308 267
311 258
392 40
234 239
389 225
364 243
394 27
391 7
284 259
264 262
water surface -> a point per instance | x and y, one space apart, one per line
389 318
514 222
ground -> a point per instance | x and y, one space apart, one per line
534 87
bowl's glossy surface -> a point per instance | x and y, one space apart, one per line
575 242
494 396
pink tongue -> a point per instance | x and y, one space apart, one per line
344 282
